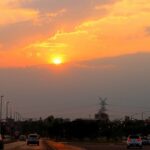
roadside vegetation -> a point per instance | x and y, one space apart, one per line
84 129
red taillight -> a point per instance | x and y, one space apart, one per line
129 139
139 139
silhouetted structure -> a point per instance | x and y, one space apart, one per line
102 115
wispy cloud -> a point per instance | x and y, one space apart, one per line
11 14
102 29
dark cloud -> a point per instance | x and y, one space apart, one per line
14 35
52 5
76 9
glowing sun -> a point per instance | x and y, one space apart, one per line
57 60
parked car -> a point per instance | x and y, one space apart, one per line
7 138
33 139
1 142
134 141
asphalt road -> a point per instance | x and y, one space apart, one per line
43 146
108 147
24 146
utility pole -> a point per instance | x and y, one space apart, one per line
7 108
14 116
17 116
11 111
1 106
103 104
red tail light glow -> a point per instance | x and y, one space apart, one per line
139 139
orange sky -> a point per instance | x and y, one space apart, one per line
31 33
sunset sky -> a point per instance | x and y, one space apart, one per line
49 45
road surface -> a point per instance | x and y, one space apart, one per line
62 146
108 147
24 146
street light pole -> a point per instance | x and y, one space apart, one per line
10 110
7 103
1 107
15 116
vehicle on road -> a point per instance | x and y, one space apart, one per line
1 143
7 138
134 141
33 139
145 140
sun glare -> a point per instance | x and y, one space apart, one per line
57 60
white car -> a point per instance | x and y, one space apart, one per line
134 141
145 140
33 139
